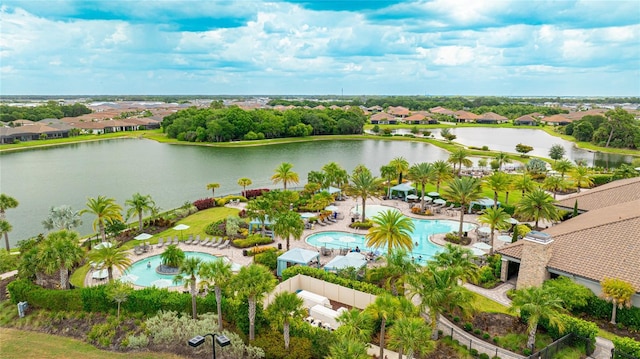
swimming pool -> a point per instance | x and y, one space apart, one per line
424 228
139 273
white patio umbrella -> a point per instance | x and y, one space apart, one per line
181 227
433 194
512 221
347 239
162 283
504 238
101 274
331 208
412 196
325 239
142 236
477 251
439 201
481 245
103 245
128 278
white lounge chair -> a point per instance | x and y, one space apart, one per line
160 242
225 244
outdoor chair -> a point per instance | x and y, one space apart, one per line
224 245
206 242
197 240
215 241
160 242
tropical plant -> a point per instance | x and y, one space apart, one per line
524 183
6 202
109 257
556 152
442 172
172 256
106 210
346 348
617 292
335 175
253 282
388 172
502 158
625 171
536 205
139 204
118 292
535 304
523 149
213 186
401 166
460 158
287 224
356 325
422 173
447 135
408 334
582 177
260 208
398 267
563 166
458 259
536 166
244 182
285 175
482 163
496 218
384 308
187 275
364 185
464 191
5 228
497 182
62 217
216 274
59 253
391 229
284 308
554 184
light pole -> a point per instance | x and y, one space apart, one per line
222 340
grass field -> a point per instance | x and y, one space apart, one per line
24 344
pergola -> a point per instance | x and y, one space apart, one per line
297 256
404 188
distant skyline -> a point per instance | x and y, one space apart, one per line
363 47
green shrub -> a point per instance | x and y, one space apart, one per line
627 345
8 261
331 278
215 229
600 308
137 342
508 208
268 259
574 296
600 179
19 290
251 241
273 344
486 277
486 336
103 334
362 225
321 339
581 328
468 326
474 352
38 297
483 356
224 200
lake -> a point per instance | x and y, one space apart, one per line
171 174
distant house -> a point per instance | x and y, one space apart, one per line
31 131
556 120
399 111
491 118
578 115
601 242
465 116
525 120
441 111
375 109
382 118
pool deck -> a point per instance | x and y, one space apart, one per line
344 209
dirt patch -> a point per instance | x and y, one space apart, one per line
498 324
442 351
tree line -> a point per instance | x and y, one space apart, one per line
49 110
617 128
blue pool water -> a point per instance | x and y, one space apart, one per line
424 251
139 273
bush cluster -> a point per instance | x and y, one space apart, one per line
268 259
259 250
600 308
38 297
216 228
220 202
253 193
273 344
251 241
627 346
204 203
362 225
331 278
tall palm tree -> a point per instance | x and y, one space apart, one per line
408 333
460 157
62 217
253 282
347 348
316 177
139 204
391 229
110 257
287 224
554 184
438 290
335 175
538 303
244 182
5 228
388 172
216 274
496 218
356 325
502 158
285 175
582 176
6 202
172 256
286 306
458 260
60 252
398 267
422 173
497 182
442 173
524 183
187 275
364 185
106 210
537 204
213 186
384 308
563 166
401 165
464 191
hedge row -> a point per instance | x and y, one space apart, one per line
627 346
38 297
204 203
581 328
331 278
600 308
252 241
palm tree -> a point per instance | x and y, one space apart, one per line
442 173
364 185
524 183
618 292
496 218
335 174
110 257
563 166
62 217
347 348
356 325
391 229
286 306
287 224
401 166
502 158
384 308
285 175
138 205
187 274
463 191
388 172
5 228
582 176
408 333
537 204
217 274
497 182
260 208
253 282
458 260
538 303
422 173
106 210
212 186
172 256
460 157
6 202
398 267
244 182
61 252
554 184
439 290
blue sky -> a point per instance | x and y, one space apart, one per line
372 47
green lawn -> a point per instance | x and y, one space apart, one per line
64 141
484 304
78 276
25 344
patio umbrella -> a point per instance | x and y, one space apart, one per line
128 278
412 196
325 239
512 221
504 238
103 245
181 227
347 239
484 230
427 199
331 208
433 194
307 215
439 201
142 236
162 283
481 245
477 251
101 274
